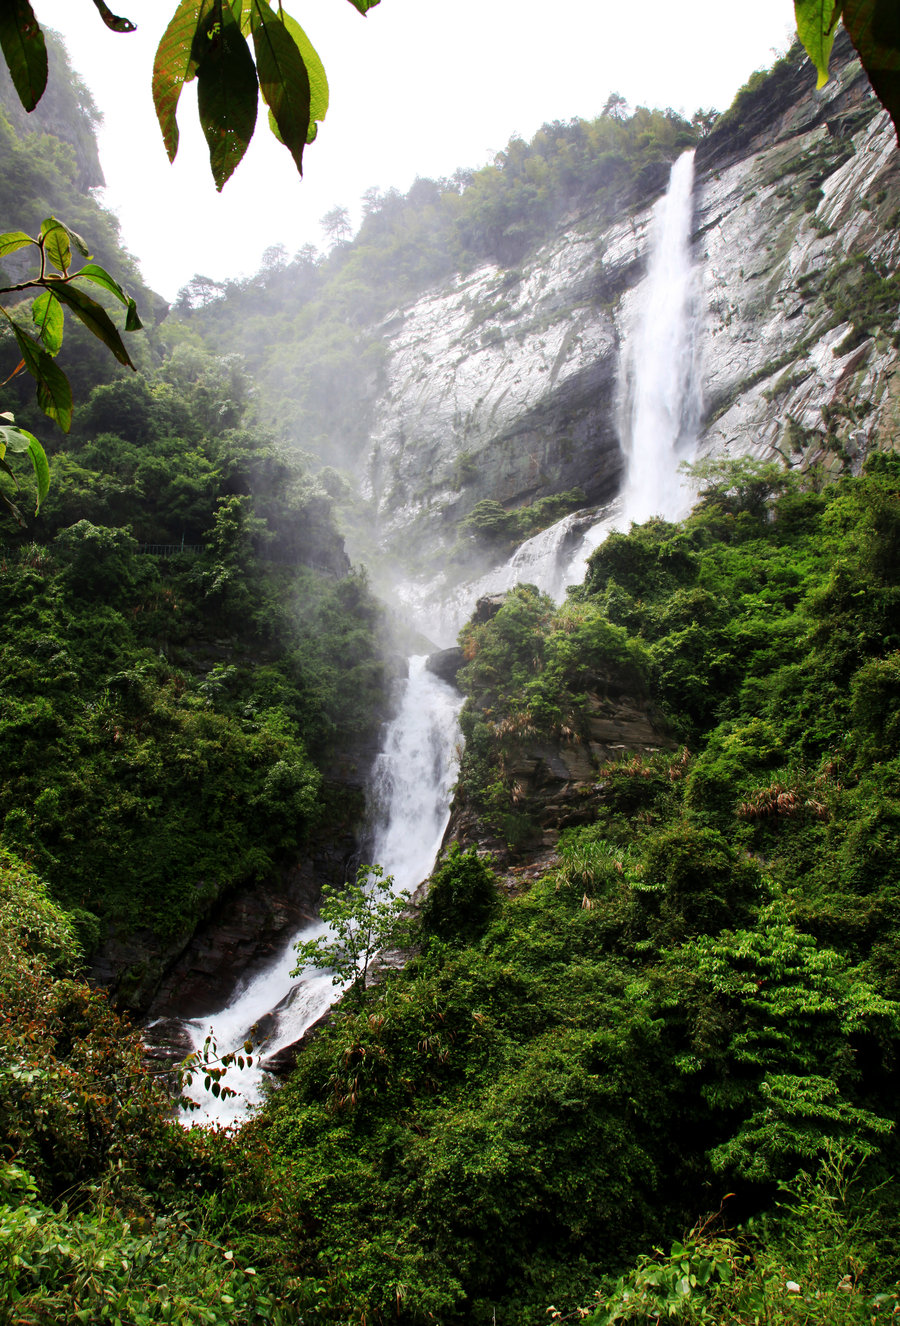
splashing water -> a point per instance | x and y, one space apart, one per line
409 806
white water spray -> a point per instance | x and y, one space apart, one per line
409 806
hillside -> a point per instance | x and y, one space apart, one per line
194 677
634 1057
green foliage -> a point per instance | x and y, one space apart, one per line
176 712
714 959
814 1263
362 920
57 282
461 899
102 1266
206 40
490 522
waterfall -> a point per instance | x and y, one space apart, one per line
541 560
411 784
409 806
661 378
659 374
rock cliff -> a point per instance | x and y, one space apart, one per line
503 384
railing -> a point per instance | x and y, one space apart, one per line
170 549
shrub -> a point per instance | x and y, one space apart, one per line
462 897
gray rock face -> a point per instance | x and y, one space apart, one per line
782 232
503 384
446 663
559 783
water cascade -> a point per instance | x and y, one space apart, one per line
409 805
411 785
660 400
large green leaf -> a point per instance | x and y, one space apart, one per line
226 90
174 65
318 82
874 28
23 46
100 276
41 469
57 246
47 316
283 79
13 240
54 395
20 440
364 5
93 315
816 26
57 239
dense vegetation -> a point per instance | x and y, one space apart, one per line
176 712
684 1034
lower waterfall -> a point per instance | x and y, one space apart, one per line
409 805
411 784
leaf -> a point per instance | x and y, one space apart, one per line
93 315
11 506
57 240
874 28
25 51
318 81
226 90
13 240
283 79
364 5
100 276
54 395
112 20
57 246
174 65
41 468
47 315
816 25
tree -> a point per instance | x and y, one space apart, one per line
616 106
206 40
336 225
362 920
703 120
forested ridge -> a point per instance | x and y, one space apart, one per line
650 1078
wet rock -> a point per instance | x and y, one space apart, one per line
446 663
557 784
487 608
245 934
283 1062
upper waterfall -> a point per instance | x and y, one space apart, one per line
661 399
659 384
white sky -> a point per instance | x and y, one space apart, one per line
418 87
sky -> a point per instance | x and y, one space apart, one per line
418 88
